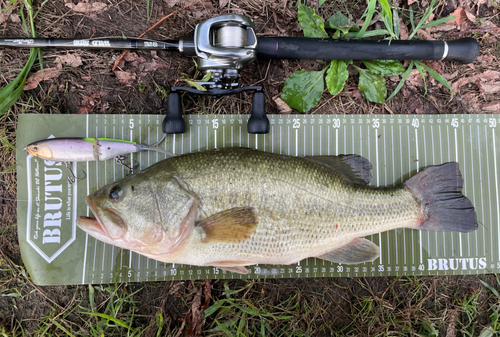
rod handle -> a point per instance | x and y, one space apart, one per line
464 50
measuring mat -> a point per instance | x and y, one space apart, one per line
56 251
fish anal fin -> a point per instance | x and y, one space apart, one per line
358 250
234 225
355 168
233 266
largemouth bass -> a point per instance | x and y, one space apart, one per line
235 207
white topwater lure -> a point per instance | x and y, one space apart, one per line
68 150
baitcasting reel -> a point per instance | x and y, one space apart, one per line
223 45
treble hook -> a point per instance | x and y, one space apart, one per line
72 178
121 160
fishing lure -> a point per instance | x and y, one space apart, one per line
68 150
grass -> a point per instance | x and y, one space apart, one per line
12 91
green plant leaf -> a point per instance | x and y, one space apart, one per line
337 21
196 85
321 2
387 15
336 76
385 67
372 86
403 80
369 33
368 18
303 89
311 23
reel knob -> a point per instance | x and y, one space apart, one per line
173 121
258 122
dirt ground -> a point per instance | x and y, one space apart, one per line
450 306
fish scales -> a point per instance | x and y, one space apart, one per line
303 206
235 207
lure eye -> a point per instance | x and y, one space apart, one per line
115 193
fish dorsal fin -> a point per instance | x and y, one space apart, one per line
230 226
354 167
358 250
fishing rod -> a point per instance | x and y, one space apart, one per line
223 45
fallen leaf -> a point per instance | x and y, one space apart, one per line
71 59
491 108
86 78
84 7
403 31
435 65
484 59
415 79
15 18
488 75
42 75
223 3
283 108
490 88
126 78
460 17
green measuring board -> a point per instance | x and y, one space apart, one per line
55 251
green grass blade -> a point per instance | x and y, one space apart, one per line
224 329
421 74
437 22
437 76
395 22
493 290
368 18
109 318
61 327
147 9
427 13
403 80
387 15
369 33
6 142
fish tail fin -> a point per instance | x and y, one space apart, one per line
439 189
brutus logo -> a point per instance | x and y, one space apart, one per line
51 208
471 263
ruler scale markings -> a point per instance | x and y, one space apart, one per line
449 235
97 187
88 210
481 187
378 184
320 138
472 176
296 142
441 161
463 174
394 184
417 158
288 143
425 165
345 142
489 189
496 183
328 128
336 142
464 160
385 184
401 161
409 169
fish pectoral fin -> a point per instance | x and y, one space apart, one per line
355 168
358 250
234 225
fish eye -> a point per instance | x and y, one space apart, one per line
35 148
115 192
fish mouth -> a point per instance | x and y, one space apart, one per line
92 224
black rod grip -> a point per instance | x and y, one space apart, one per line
463 50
